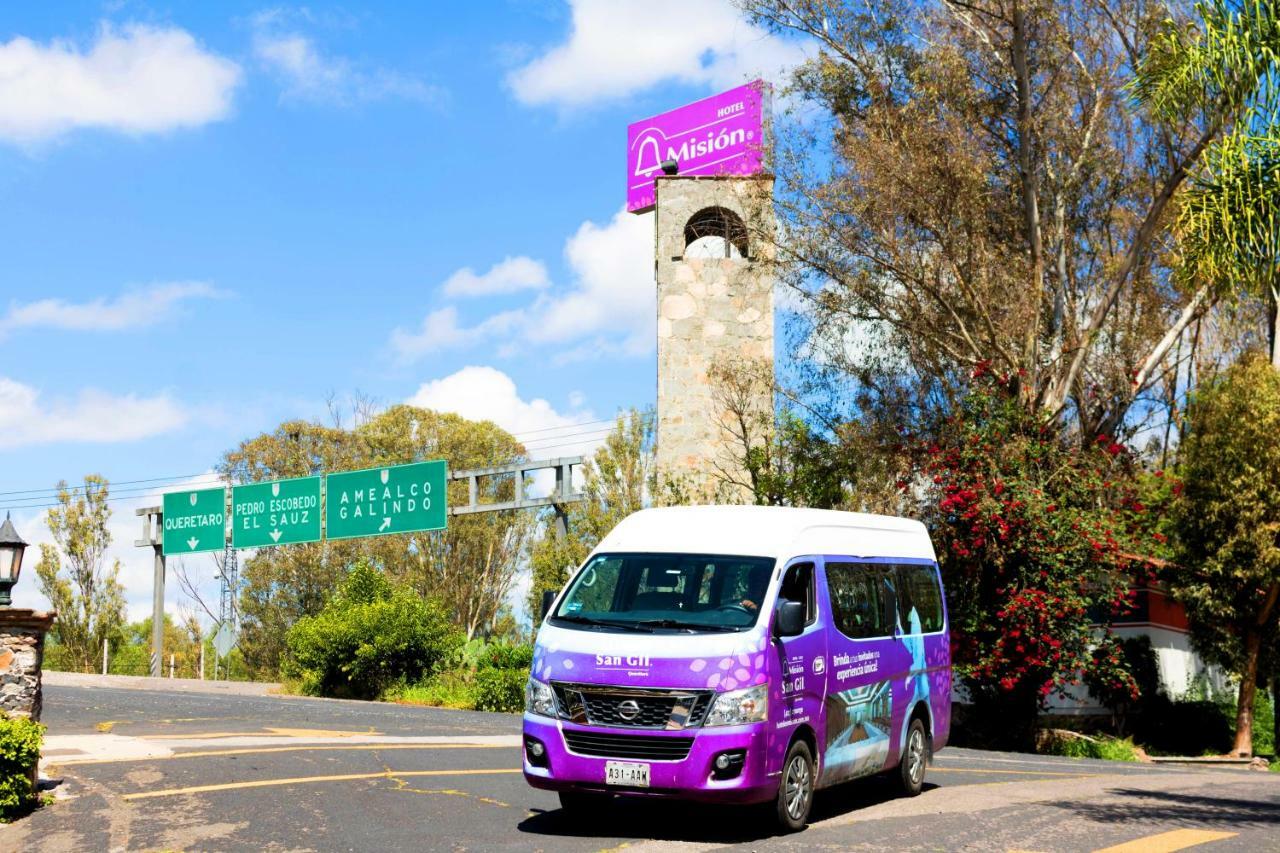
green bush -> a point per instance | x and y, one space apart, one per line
19 753
500 689
371 636
503 656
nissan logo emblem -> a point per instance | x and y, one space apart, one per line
628 709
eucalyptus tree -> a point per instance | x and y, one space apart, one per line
982 185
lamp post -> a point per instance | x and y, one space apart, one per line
11 548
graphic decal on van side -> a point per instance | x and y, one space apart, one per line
859 726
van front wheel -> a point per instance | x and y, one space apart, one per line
915 755
795 790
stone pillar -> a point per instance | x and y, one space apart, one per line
21 656
712 311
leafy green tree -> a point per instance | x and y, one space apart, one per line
371 635
86 595
131 654
617 481
1228 524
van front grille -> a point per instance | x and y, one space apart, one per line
634 708
643 747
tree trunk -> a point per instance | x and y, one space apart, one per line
1275 329
1248 689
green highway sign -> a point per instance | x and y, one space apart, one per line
195 521
278 512
395 499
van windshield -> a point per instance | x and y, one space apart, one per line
666 592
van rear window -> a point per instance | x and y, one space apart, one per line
860 598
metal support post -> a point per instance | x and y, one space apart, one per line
157 615
153 537
561 492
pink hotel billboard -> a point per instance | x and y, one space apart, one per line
720 135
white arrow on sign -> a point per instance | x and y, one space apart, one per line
275 535
193 542
386 522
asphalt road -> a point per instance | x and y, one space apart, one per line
171 770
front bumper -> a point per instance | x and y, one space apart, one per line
689 779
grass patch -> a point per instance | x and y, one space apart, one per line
1072 745
445 690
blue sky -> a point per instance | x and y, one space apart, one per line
217 215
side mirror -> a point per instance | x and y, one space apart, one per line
548 599
789 620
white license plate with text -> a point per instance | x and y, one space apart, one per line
626 773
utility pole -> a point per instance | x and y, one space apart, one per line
153 536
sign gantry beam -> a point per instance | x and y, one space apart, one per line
563 493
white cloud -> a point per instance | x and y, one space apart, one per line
91 416
133 79
608 308
507 276
308 74
441 330
613 292
130 310
488 394
617 48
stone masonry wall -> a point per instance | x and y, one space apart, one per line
22 635
710 310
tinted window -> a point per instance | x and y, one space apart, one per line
861 597
797 585
918 591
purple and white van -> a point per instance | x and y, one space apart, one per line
741 655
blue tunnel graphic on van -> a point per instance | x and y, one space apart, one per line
859 724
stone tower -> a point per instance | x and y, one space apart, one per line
715 311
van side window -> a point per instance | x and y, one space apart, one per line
797 585
918 590
860 598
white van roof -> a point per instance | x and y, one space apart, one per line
766 531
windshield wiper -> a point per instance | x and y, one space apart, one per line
605 623
688 626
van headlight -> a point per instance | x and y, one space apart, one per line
539 698
736 707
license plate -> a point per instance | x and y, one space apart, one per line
626 773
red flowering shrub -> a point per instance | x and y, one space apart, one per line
1035 535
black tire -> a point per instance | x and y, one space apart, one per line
915 756
795 788
583 803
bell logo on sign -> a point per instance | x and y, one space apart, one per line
193 498
385 475
275 490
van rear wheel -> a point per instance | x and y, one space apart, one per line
795 789
915 755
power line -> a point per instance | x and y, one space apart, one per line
39 498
